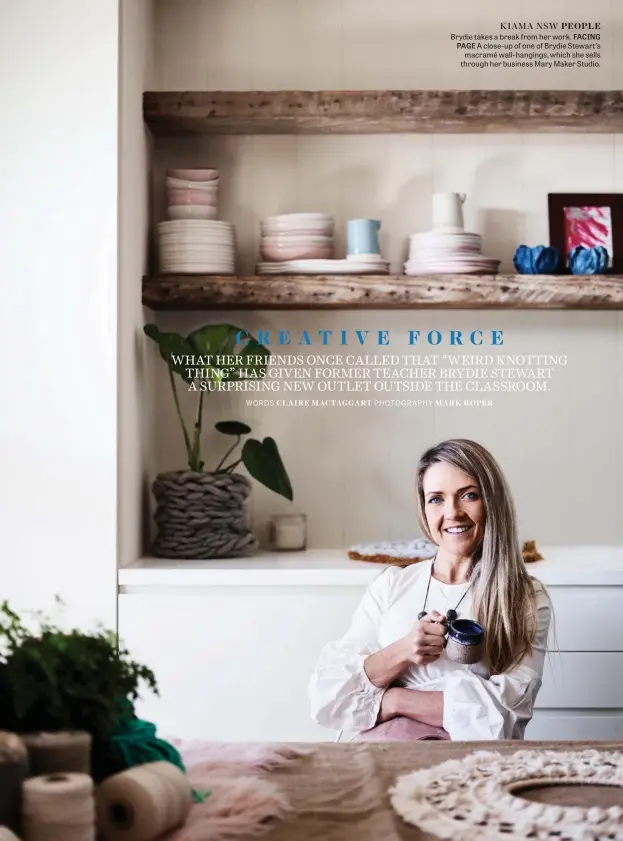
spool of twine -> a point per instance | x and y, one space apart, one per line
143 803
202 515
7 835
13 772
58 807
68 751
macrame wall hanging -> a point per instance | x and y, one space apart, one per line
477 798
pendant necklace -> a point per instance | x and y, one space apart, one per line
451 614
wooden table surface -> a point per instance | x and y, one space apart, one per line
339 792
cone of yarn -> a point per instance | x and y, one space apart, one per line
58 806
13 772
143 803
68 751
7 835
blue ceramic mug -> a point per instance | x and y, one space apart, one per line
363 236
465 643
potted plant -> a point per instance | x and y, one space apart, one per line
203 514
53 681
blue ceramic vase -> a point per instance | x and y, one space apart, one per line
588 260
542 259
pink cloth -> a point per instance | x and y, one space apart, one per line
402 729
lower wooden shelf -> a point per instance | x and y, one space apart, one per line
321 292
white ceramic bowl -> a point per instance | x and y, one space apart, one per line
201 174
296 219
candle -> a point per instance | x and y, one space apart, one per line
288 532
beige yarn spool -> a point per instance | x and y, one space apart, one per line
143 803
65 751
7 835
58 806
13 771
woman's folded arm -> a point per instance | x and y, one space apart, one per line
342 696
500 706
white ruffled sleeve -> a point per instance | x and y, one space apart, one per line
342 696
500 706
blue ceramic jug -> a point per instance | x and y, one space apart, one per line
363 236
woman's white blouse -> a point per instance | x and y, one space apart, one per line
477 705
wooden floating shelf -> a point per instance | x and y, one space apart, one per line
382 292
376 112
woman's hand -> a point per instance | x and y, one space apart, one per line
427 640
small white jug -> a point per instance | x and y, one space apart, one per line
448 212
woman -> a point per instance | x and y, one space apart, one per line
388 677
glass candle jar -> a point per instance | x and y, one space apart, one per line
288 532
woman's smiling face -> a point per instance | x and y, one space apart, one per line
454 509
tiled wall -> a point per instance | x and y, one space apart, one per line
353 469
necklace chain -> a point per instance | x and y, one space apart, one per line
452 613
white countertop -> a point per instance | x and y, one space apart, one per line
562 566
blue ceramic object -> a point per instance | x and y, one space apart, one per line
588 260
363 236
542 259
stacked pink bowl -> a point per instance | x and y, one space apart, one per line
192 193
296 236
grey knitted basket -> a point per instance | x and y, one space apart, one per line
202 515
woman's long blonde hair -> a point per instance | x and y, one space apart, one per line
503 594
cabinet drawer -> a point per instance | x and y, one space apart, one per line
572 725
582 680
587 618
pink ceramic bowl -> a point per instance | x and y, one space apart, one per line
192 197
279 254
297 240
201 174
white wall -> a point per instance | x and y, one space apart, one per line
58 338
136 369
352 470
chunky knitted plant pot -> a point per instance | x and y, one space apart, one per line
202 515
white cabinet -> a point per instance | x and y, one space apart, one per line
233 661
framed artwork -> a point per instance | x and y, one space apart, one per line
587 219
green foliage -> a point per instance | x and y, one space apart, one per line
201 349
52 679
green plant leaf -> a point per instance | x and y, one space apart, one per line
173 349
232 427
262 460
247 369
220 340
214 339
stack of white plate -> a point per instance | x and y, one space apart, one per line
441 252
325 267
197 246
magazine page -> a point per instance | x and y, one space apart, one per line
324 443
426 299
